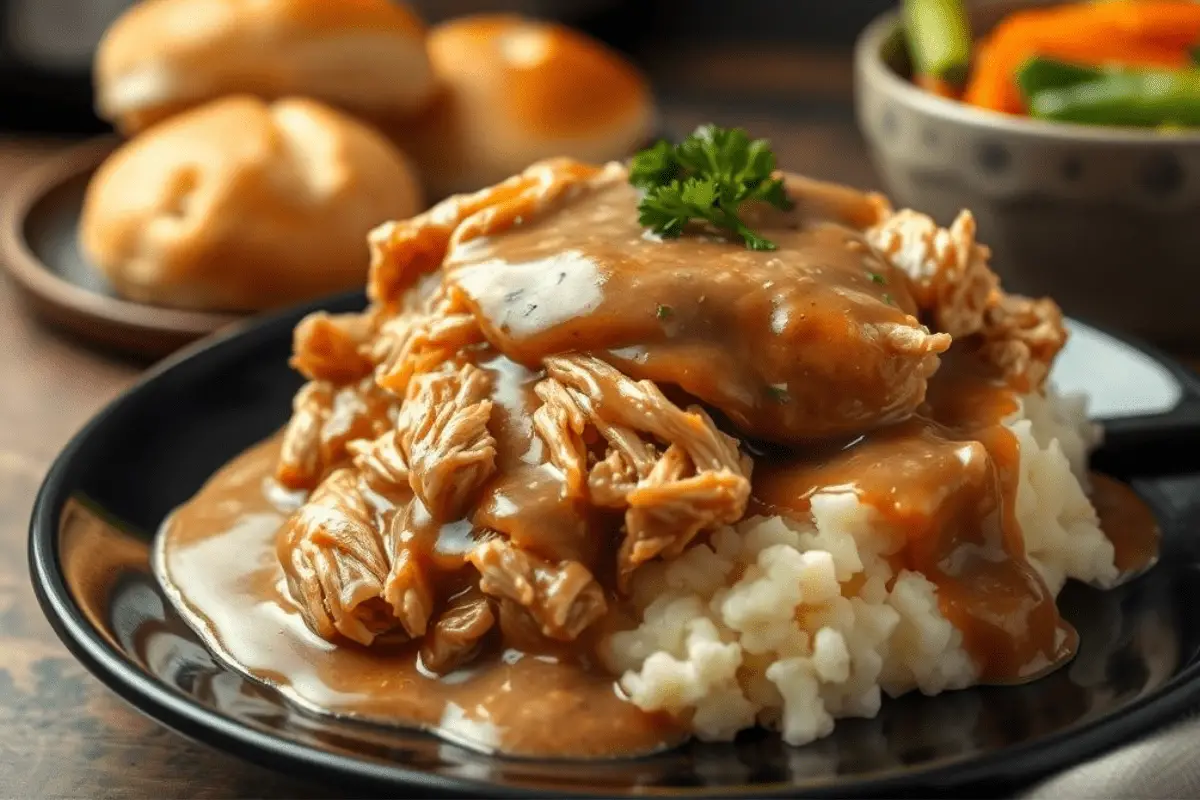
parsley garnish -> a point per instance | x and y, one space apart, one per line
706 177
877 278
663 312
887 298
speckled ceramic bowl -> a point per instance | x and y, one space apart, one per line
1105 220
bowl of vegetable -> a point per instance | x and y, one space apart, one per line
1072 133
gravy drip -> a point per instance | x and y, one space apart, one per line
216 557
813 339
944 483
1129 524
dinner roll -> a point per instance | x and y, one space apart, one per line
162 56
242 205
516 90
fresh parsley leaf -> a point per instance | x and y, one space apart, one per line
663 211
707 177
663 312
877 278
654 166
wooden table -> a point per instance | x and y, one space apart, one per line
62 734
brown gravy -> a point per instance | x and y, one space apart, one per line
1128 522
790 344
814 348
947 484
216 557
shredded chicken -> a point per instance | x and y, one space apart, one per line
560 422
700 481
667 510
360 411
380 461
1022 337
418 342
413 450
403 251
563 598
332 348
445 438
611 397
949 271
333 559
300 464
408 590
955 287
456 637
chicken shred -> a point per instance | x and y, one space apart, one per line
396 432
961 296
1022 337
455 638
700 481
331 347
300 463
443 432
380 461
948 270
334 561
563 599
416 342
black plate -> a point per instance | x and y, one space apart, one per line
1138 667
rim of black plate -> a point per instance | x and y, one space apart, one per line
190 718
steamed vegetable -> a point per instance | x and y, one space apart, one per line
1039 74
939 41
1123 62
1069 33
1145 98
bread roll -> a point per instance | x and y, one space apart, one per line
517 90
163 56
243 205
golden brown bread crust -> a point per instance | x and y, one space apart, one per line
515 91
243 205
164 56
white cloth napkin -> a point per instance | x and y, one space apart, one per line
1164 765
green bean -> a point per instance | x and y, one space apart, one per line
1038 74
939 38
1142 98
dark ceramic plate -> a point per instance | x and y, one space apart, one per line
1138 667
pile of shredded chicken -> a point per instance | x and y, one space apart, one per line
541 398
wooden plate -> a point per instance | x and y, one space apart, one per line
39 246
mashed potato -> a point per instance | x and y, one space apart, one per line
794 623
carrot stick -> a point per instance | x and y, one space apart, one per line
1143 34
1170 24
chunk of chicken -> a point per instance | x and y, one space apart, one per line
960 295
563 598
334 560
332 348
701 480
443 432
456 637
